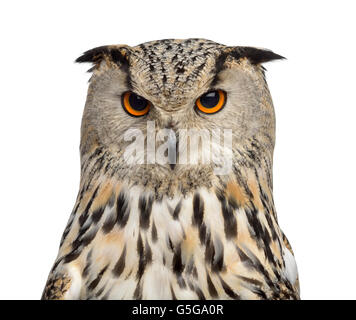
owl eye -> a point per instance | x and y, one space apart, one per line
134 104
212 101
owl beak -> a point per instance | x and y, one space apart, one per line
172 149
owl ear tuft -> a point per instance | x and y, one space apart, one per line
256 55
116 55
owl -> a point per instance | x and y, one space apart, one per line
176 195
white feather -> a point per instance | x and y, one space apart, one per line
290 271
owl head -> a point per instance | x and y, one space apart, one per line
160 111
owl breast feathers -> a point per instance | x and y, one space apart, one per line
175 199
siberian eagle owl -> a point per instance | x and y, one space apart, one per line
175 199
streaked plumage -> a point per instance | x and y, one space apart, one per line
152 232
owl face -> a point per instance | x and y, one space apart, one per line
179 86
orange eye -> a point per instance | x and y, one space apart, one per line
212 101
134 105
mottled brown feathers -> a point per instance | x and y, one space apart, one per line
56 288
183 231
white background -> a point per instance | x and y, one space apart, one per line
43 93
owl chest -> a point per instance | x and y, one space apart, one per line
174 248
155 249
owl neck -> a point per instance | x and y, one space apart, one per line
248 184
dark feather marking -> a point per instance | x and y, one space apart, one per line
214 255
180 69
74 254
68 228
75 210
228 290
201 67
79 243
106 295
243 257
250 280
233 203
100 291
148 253
259 232
78 240
80 196
170 244
181 282
257 56
87 264
57 263
140 251
254 55
114 55
242 182
198 210
173 294
109 222
98 164
255 263
145 257
96 55
178 266
218 262
96 281
111 201
120 265
267 247
264 200
199 293
189 266
119 59
260 293
138 294
211 287
95 154
145 207
209 252
202 233
85 215
97 214
154 232
256 229
220 62
89 237
190 285
230 223
177 210
122 209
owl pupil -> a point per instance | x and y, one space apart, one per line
210 99
136 102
